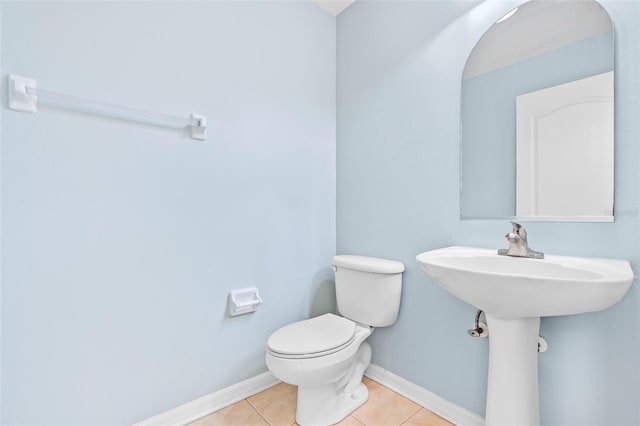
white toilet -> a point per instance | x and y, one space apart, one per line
326 356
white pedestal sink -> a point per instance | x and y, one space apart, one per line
514 293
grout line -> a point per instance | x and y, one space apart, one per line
412 416
359 422
420 407
256 410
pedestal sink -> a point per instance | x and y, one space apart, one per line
514 293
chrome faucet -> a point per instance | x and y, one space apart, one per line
518 246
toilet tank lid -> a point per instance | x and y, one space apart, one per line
368 264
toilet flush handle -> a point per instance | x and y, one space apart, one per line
335 268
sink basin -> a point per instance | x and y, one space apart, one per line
512 287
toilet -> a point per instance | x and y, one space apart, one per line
326 356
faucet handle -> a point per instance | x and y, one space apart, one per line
519 230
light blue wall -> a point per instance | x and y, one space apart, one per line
121 241
399 69
488 124
0 232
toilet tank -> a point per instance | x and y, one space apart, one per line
368 289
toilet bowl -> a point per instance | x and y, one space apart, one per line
329 376
326 356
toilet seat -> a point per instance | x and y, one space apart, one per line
312 338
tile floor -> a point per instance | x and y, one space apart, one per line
276 406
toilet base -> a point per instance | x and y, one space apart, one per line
323 408
327 404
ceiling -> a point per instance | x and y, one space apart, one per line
334 7
534 28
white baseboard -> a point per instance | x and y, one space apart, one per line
432 402
208 404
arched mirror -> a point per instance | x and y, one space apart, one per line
537 116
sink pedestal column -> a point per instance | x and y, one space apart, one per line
512 389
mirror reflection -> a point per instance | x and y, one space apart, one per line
537 115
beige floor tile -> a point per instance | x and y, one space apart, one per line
425 417
239 414
384 407
349 421
277 404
